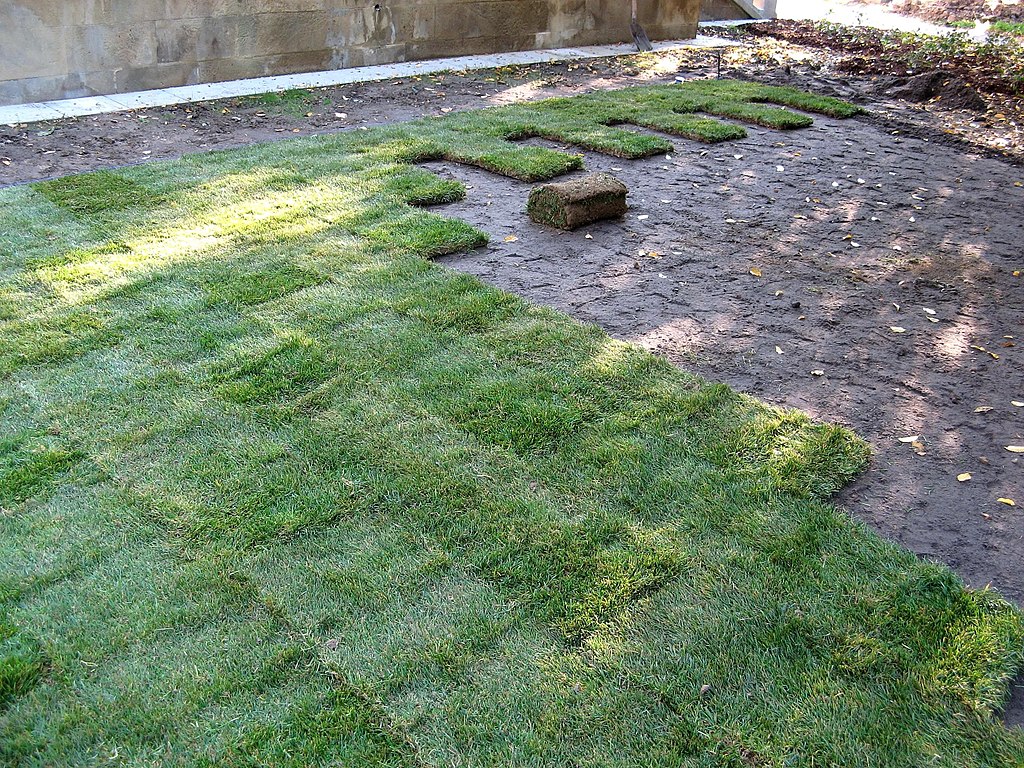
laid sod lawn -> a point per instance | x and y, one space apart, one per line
275 490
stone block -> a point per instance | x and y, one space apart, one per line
383 54
298 6
227 37
219 70
28 90
291 32
44 13
720 10
571 204
29 47
436 49
125 11
177 40
466 20
366 25
95 83
205 9
297 61
667 19
98 47
155 76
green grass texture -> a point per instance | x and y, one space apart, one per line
276 490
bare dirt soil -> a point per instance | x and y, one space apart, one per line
868 271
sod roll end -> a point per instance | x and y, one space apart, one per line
571 204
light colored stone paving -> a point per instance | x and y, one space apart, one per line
95 105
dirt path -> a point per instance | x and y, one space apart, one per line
856 228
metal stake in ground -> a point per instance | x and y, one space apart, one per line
643 42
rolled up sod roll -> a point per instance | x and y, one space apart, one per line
571 204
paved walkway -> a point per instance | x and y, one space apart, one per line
164 97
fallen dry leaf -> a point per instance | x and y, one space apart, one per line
1007 502
511 239
983 409
993 355
963 477
1015 448
755 271
897 329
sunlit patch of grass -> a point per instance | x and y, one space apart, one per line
277 490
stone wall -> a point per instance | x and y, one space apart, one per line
52 49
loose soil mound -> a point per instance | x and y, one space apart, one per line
953 92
